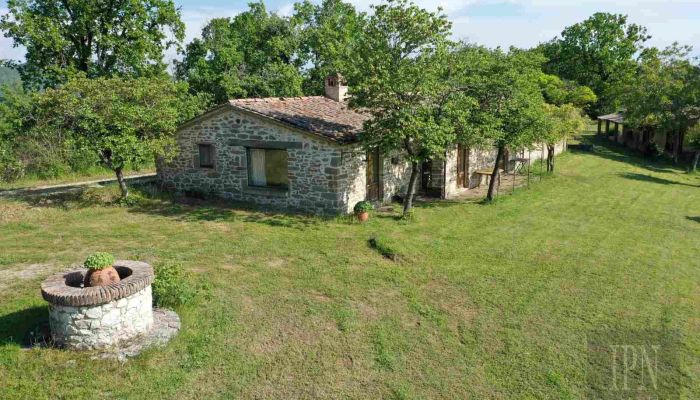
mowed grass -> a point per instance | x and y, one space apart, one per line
484 301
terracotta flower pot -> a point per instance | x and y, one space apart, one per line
101 277
363 216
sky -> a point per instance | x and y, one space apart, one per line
522 23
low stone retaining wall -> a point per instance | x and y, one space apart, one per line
100 317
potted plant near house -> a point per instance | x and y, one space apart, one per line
101 270
362 210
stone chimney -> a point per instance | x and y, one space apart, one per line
336 87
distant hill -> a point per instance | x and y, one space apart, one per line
9 76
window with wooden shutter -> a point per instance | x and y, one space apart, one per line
268 168
206 156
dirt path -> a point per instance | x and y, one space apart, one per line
69 187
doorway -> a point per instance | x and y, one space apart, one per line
374 167
462 166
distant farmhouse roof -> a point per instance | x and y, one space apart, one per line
316 114
617 117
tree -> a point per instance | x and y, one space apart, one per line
510 107
562 121
599 53
98 38
254 54
330 36
122 122
665 94
566 101
402 87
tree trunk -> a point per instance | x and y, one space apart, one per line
410 192
122 183
677 147
494 174
550 158
696 159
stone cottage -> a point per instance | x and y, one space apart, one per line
301 154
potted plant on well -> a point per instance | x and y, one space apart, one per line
362 210
101 270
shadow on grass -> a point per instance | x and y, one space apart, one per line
15 327
193 210
149 199
604 148
652 179
696 219
73 199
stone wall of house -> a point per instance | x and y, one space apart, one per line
315 166
395 177
324 177
100 326
484 158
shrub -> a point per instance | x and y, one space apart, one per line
171 287
99 260
363 206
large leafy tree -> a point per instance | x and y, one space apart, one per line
510 108
599 53
403 53
95 37
665 94
122 122
254 54
330 36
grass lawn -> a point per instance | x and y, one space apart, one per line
486 301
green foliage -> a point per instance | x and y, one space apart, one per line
559 92
599 53
563 121
402 54
665 93
363 206
253 54
509 106
120 122
693 136
8 77
99 260
330 34
171 287
126 38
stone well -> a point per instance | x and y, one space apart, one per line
100 317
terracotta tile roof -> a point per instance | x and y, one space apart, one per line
317 114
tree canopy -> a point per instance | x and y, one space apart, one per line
402 85
599 53
97 38
254 54
121 122
665 94
330 37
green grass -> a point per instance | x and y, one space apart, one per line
484 301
